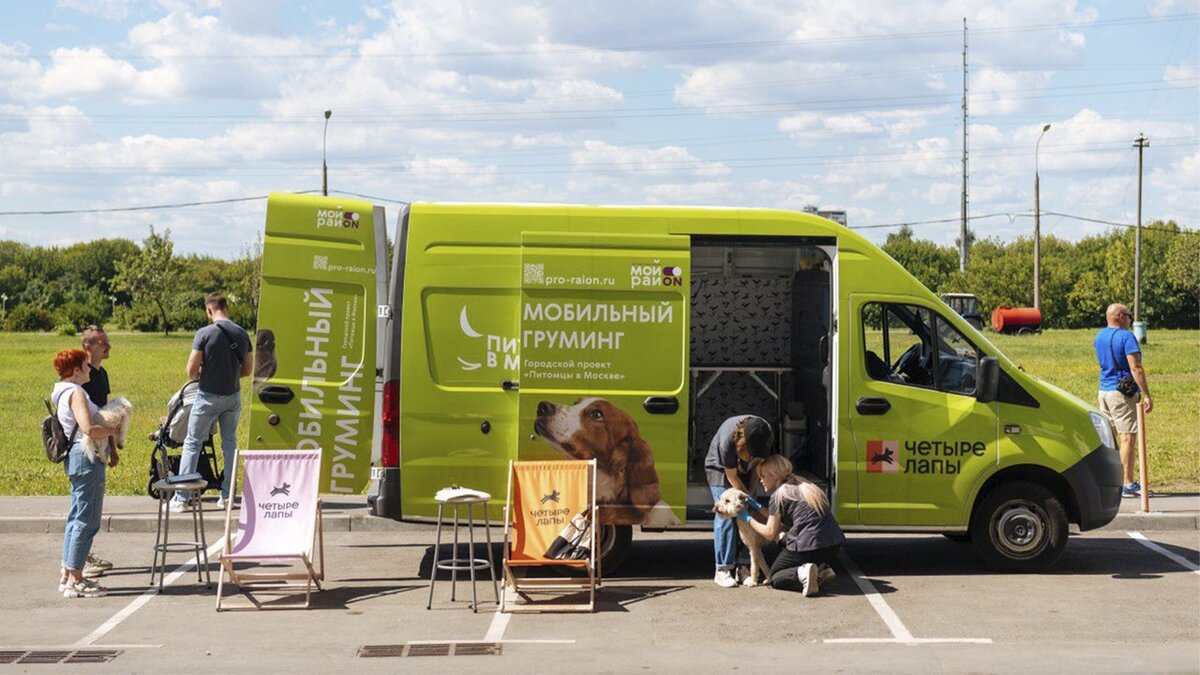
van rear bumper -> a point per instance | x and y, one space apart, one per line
1096 483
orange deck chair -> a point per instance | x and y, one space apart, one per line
548 520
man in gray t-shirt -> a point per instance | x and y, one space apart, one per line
739 444
221 356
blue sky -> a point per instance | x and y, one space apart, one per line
107 104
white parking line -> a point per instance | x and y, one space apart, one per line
1141 539
141 600
900 632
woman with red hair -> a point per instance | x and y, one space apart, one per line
74 410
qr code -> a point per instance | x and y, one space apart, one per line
535 273
320 262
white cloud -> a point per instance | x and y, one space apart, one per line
599 156
1183 75
111 10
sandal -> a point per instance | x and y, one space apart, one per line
84 588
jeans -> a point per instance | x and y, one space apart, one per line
87 504
207 409
783 571
726 542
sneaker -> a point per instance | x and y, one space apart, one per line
84 589
96 566
826 574
221 501
177 506
1137 487
1128 491
725 579
63 582
807 573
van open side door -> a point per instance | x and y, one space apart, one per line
314 369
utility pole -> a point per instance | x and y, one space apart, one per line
1037 225
324 167
962 230
1141 143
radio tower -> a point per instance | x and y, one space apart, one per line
962 234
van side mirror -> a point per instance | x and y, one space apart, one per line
987 381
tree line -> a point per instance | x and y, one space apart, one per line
147 287
1079 279
121 284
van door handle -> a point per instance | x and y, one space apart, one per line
275 393
661 405
872 406
509 385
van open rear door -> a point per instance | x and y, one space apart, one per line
604 355
314 368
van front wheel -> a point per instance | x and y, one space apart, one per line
1020 527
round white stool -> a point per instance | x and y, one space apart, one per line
458 497
166 491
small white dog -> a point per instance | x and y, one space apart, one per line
115 415
732 502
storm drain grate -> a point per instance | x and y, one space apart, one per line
432 649
54 656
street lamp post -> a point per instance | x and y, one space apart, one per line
3 306
1037 225
324 166
113 298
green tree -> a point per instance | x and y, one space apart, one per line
152 275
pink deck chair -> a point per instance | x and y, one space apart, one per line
279 522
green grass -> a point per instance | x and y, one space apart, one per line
147 369
1172 362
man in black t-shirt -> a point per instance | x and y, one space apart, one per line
95 343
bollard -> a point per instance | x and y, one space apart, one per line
1141 419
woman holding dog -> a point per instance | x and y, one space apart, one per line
738 446
74 411
811 538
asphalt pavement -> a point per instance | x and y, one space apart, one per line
1119 600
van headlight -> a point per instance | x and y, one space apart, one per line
1104 429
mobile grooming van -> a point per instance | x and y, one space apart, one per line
627 335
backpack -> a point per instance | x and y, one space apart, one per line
54 437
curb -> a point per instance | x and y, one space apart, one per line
343 522
213 526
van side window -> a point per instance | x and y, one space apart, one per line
912 345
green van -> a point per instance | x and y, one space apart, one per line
627 335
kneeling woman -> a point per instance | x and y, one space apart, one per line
810 535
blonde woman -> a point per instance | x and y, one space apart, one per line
799 516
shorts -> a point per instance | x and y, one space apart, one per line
1122 409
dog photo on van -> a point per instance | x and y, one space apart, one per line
732 502
626 480
115 415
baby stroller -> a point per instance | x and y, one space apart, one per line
170 435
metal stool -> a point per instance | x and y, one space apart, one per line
198 546
456 496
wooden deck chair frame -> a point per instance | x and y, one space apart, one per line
518 585
313 572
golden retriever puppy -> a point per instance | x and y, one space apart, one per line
115 415
732 502
626 481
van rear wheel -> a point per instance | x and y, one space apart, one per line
1020 527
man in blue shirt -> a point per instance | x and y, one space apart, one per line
1119 356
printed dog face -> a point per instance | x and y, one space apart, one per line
626 481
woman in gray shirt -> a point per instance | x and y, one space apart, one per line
800 517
